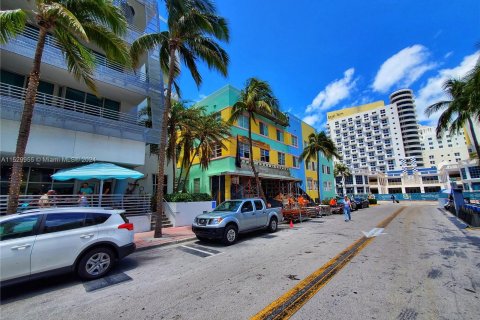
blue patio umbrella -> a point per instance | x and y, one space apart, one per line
100 171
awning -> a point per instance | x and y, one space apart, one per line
261 175
100 171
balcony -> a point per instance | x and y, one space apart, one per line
71 115
106 71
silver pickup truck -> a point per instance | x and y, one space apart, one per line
232 217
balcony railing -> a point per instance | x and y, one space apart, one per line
132 204
106 70
16 95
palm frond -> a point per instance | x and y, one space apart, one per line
12 23
190 60
54 11
147 42
80 60
114 47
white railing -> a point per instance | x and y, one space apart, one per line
13 92
132 204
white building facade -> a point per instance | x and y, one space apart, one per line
448 149
71 125
378 137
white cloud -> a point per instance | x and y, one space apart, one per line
333 93
403 68
432 92
312 119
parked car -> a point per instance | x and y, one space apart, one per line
232 217
362 202
42 242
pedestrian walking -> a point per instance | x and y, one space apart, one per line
393 198
346 209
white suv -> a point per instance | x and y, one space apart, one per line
39 243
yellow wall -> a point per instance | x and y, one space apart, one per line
306 131
349 111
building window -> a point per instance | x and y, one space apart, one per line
457 154
474 172
359 179
263 129
313 166
280 135
295 161
264 155
294 141
281 158
216 151
243 121
244 150
196 185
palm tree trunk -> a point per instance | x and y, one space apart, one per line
187 172
162 147
474 137
343 185
25 124
318 180
255 173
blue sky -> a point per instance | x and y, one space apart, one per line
321 55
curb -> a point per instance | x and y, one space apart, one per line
165 244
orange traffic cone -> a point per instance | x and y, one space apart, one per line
291 223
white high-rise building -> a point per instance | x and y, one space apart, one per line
376 136
448 149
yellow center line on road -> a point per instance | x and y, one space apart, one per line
290 302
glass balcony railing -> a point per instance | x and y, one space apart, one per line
106 71
13 97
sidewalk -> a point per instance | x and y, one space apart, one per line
145 240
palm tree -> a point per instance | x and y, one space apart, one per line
343 171
256 98
210 132
460 108
181 121
319 142
71 23
193 28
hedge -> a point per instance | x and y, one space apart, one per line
372 201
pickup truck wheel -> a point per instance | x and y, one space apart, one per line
273 225
230 235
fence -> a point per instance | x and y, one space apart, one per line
429 196
132 204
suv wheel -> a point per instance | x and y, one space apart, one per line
230 235
96 263
273 225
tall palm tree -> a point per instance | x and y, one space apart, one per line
460 109
71 24
193 28
209 133
256 98
181 121
319 142
343 171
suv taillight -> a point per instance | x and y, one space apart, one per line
128 226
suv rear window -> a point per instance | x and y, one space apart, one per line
55 222
94 218
258 205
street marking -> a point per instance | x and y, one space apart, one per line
199 250
290 302
373 233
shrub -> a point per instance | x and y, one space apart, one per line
372 201
326 201
187 197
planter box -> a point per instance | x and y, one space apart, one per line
182 213
141 223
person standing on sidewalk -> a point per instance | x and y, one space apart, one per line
393 198
346 209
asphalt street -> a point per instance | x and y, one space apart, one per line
424 265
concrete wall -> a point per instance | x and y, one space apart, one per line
57 142
183 213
